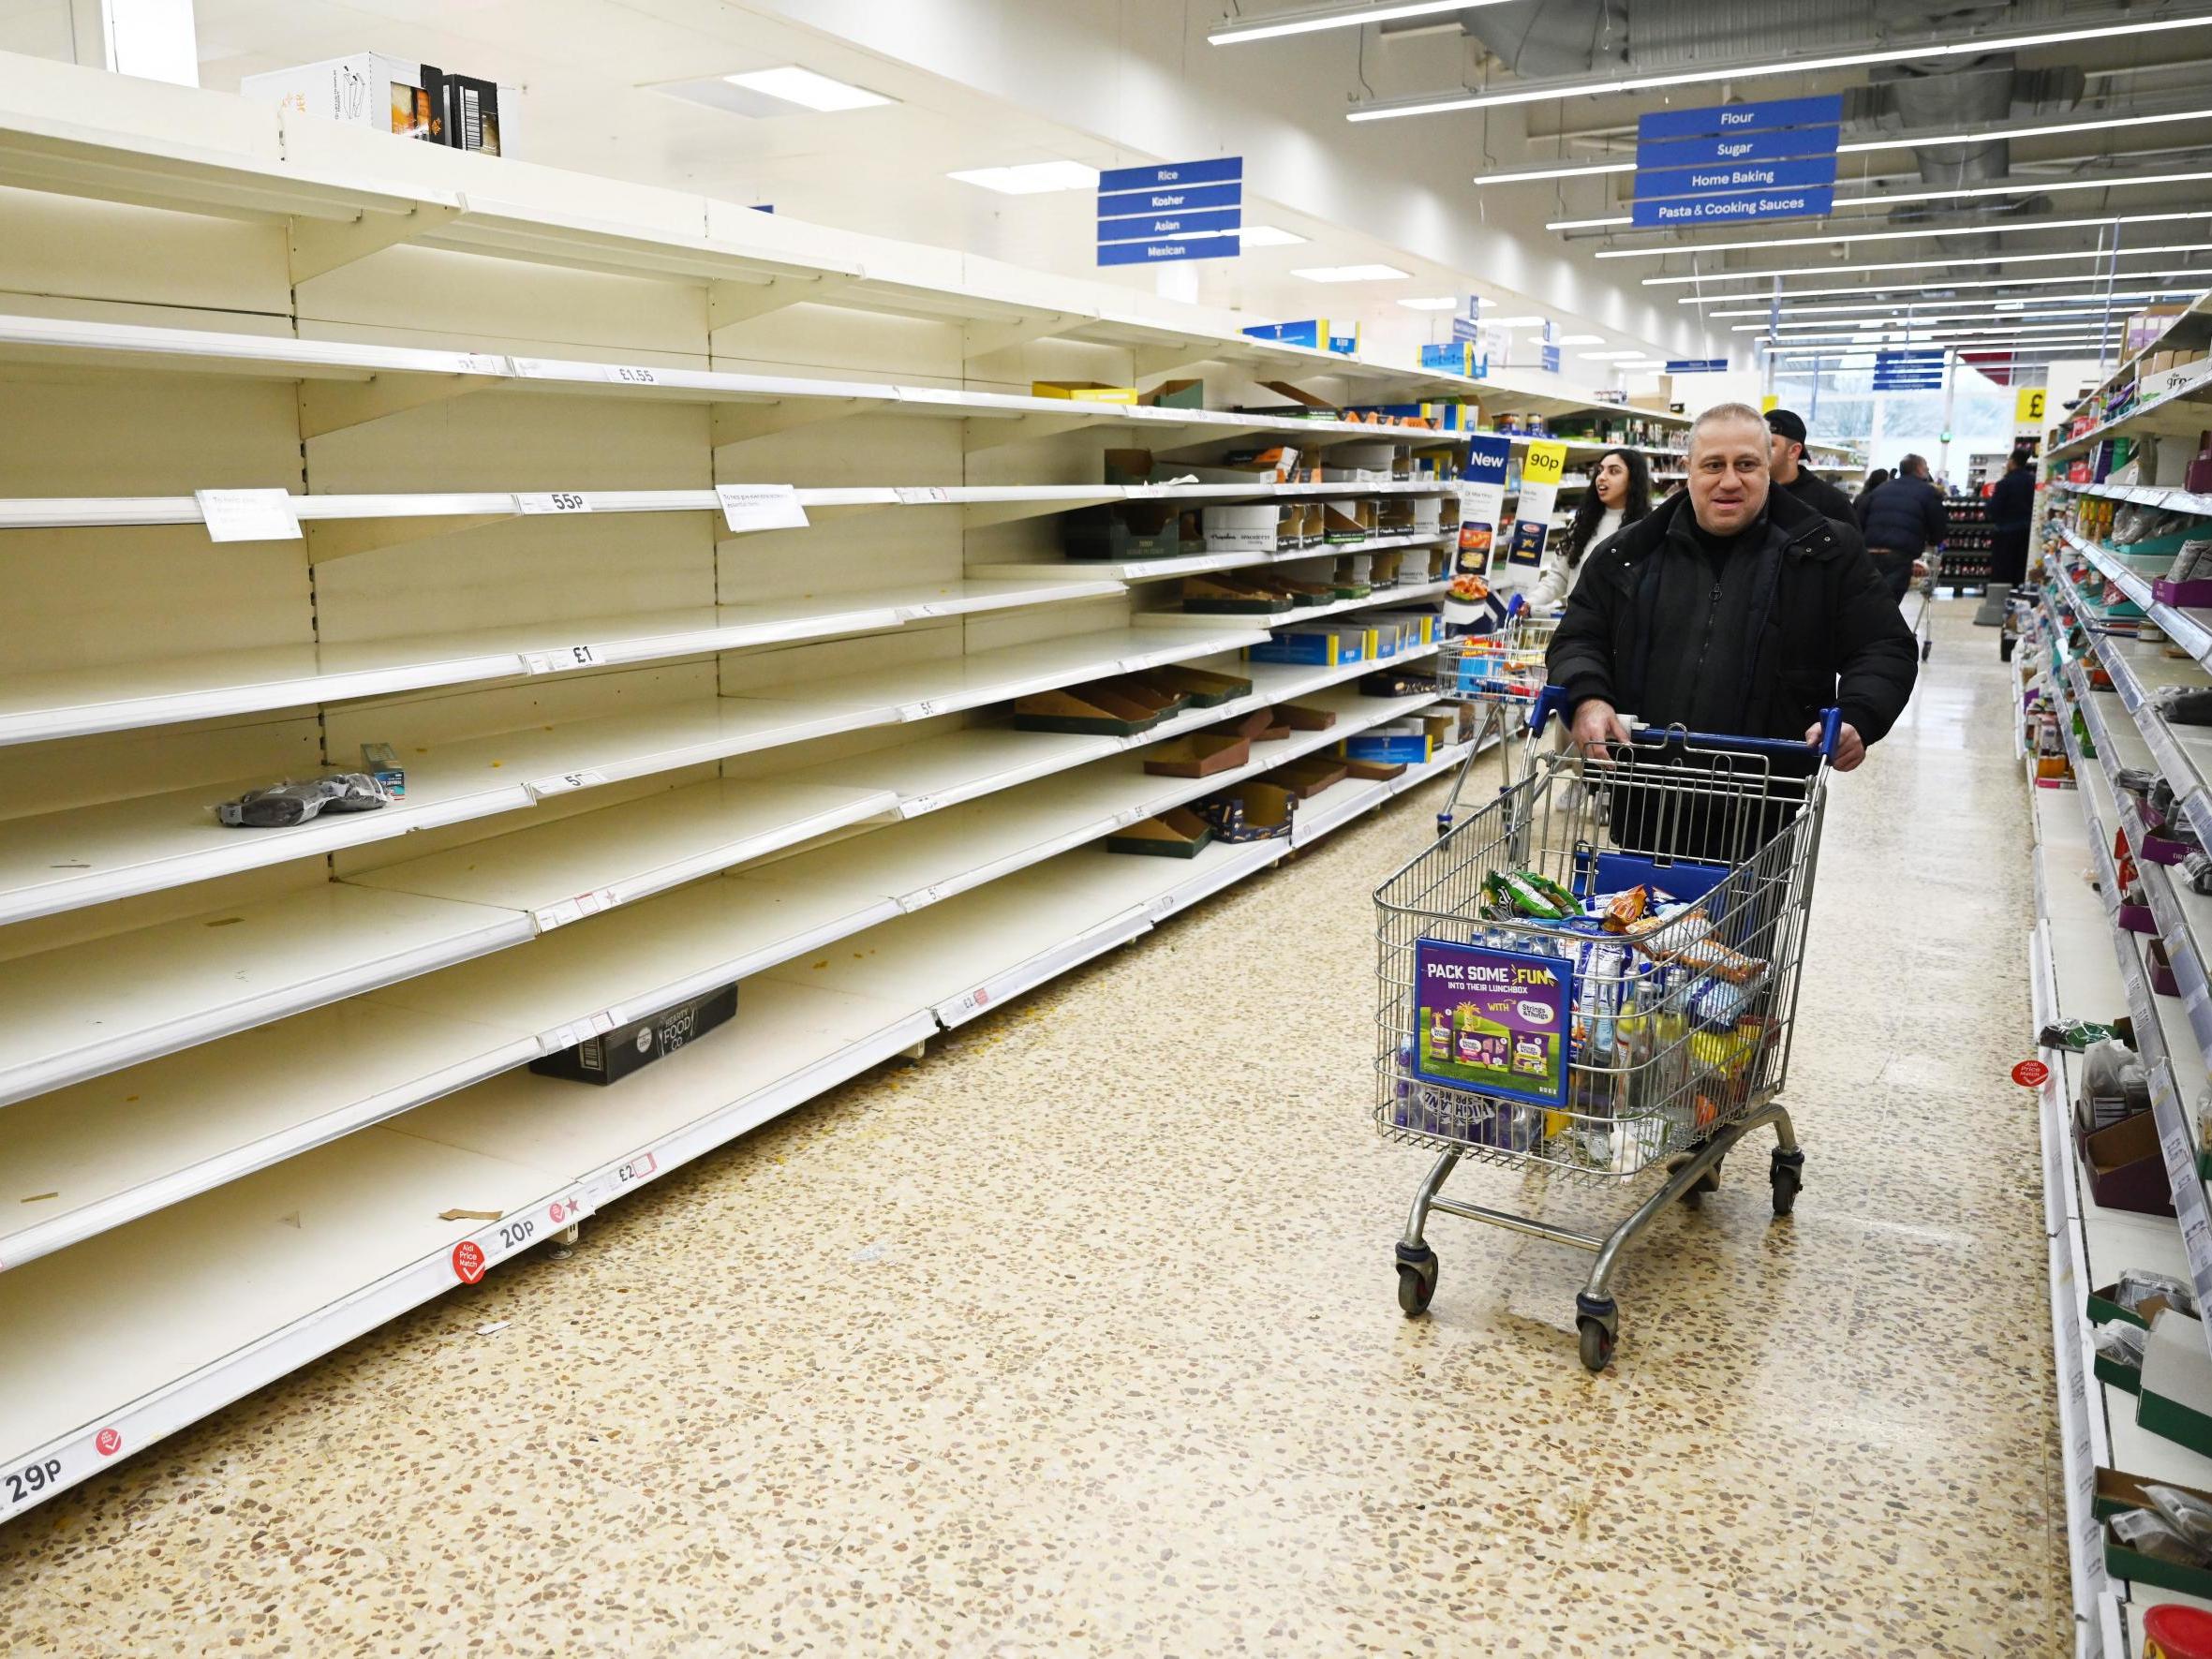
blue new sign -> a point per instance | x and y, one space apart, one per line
1159 252
1173 210
1734 176
1728 118
1154 225
1736 162
1168 199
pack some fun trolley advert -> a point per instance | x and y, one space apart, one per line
1598 982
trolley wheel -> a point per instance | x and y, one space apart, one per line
1788 1175
1597 1344
1416 1280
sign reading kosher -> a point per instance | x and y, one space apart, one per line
1176 210
1736 161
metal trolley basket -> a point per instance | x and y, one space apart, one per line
1599 1051
1501 673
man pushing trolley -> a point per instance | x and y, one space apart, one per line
1603 980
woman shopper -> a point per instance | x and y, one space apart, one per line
1620 493
1874 481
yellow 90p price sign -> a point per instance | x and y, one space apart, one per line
1545 464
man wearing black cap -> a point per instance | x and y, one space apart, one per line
1786 450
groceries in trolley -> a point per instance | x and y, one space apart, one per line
1660 1020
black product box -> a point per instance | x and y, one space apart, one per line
637 1044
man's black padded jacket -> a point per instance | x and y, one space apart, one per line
1752 638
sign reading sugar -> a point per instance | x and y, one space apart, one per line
1736 161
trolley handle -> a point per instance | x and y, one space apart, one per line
1552 700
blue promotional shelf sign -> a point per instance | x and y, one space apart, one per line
1173 210
1152 225
1736 162
1697 366
1550 358
1168 199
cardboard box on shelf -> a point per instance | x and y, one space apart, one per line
1123 530
2125 1169
2116 1495
1083 390
2176 1396
399 95
612 1055
1177 394
1177 833
1244 529
1315 644
1399 742
1198 755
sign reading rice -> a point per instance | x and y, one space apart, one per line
1493 1022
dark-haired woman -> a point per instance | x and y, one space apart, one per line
1620 493
1874 481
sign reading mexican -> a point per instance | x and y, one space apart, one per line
1491 1021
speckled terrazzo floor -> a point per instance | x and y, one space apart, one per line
1082 1336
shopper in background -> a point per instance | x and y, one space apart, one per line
1739 610
1620 494
2011 504
1786 456
1874 481
1902 520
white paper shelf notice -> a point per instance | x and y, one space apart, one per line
248 515
761 507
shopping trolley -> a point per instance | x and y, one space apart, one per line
1646 1024
1501 673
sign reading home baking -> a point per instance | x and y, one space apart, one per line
1734 162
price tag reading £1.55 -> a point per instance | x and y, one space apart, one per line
761 507
248 515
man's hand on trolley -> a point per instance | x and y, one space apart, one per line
1850 751
1596 728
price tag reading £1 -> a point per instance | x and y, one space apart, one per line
248 515
761 507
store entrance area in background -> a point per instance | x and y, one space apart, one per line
1076 1337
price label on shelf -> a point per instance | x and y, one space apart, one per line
629 374
761 507
923 496
2196 1235
574 910
977 999
641 1168
921 899
562 782
248 515
2179 1150
552 501
916 806
920 710
563 660
478 362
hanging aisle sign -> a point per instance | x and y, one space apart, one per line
1736 161
1467 606
1540 473
1909 371
1178 210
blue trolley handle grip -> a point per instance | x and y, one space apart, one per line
1552 700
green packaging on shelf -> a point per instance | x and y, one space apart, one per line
611 1055
1178 833
2118 1494
1123 530
2176 1396
1177 394
1229 595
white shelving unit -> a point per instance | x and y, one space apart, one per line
265 1087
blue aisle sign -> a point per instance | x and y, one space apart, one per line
1909 371
1736 162
1550 358
1697 366
1175 210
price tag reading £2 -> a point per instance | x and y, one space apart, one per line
248 515
761 507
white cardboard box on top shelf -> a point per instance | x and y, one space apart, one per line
408 99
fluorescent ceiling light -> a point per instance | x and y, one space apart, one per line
1834 240
795 85
1351 272
1032 178
1341 17
1798 65
1589 223
1267 236
1974 337
1881 290
1572 170
1579 340
1514 322
2072 319
1608 356
1931 307
1437 303
1943 264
